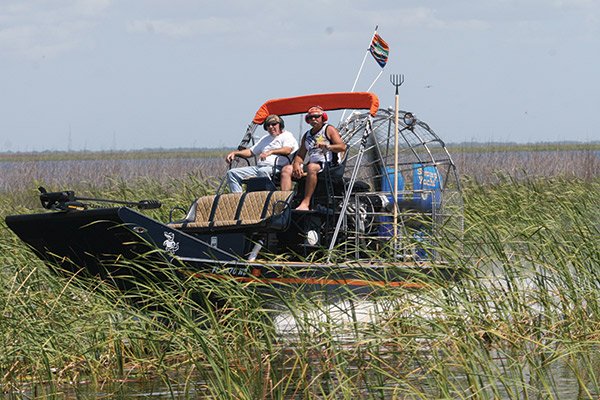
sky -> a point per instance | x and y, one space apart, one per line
139 74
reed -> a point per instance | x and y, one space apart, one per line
522 322
102 173
490 164
89 170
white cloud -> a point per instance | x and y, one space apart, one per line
585 4
428 18
186 29
89 7
37 29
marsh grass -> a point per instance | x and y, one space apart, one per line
521 323
102 173
493 163
98 170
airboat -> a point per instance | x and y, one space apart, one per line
377 218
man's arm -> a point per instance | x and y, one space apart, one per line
245 153
337 145
300 154
297 163
282 151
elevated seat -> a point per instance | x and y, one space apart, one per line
330 183
261 210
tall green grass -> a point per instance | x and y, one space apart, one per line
521 323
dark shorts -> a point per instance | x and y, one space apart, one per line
322 164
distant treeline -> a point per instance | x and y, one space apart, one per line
114 154
508 147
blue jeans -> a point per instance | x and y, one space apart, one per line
235 176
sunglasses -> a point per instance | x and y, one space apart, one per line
273 124
311 116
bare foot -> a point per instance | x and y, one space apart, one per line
302 207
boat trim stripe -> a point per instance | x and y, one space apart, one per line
311 281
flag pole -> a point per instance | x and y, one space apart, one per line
364 59
360 69
380 72
380 52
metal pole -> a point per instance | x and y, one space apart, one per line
363 145
397 81
360 70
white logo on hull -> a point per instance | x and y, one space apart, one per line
170 244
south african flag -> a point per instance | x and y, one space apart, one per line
380 50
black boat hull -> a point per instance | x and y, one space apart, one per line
119 244
125 247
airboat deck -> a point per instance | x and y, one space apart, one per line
395 199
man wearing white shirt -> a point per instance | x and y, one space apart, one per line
272 151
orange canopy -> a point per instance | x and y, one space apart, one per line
328 101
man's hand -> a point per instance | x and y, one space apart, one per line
324 146
263 156
230 157
298 170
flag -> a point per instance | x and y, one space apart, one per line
379 50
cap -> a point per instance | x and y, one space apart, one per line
271 119
315 110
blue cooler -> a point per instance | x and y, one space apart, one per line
428 179
385 227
